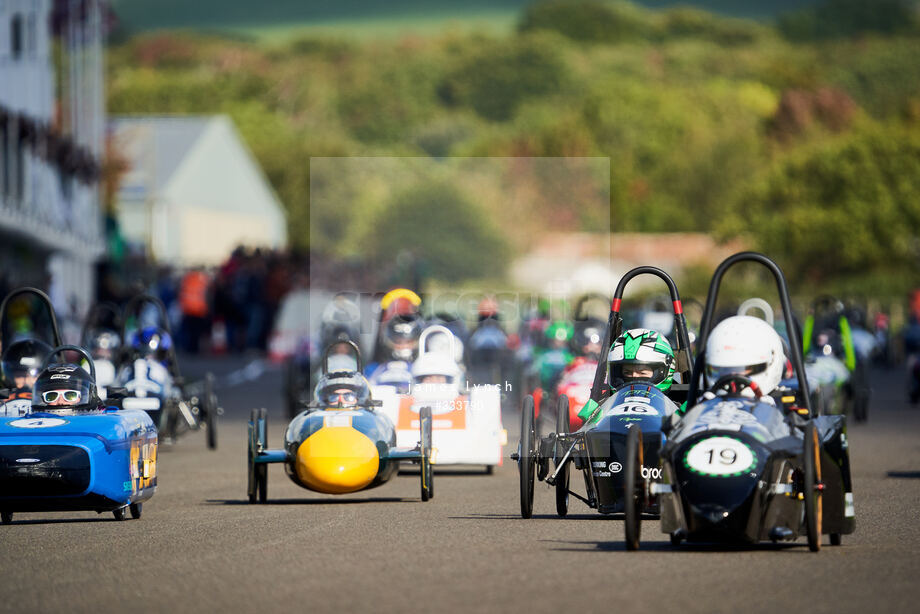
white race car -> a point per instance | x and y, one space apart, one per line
466 423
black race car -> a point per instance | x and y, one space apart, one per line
740 469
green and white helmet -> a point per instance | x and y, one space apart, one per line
640 354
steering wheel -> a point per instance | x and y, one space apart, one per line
734 383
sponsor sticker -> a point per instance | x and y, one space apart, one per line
651 473
598 464
720 457
37 423
849 510
615 467
28 461
602 474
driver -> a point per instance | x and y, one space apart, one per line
64 389
22 362
638 355
153 342
748 347
401 337
343 390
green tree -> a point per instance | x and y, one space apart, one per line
440 226
846 209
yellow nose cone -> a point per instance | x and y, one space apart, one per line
337 460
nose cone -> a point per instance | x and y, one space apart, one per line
337 460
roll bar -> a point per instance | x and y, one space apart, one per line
706 324
351 344
56 332
71 348
615 326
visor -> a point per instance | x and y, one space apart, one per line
716 373
631 371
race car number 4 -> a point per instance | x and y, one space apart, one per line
720 456
37 423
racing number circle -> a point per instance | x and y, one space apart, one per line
720 457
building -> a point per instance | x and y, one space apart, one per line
192 190
52 122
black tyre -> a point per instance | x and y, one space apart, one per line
527 460
209 406
136 510
676 539
6 517
119 514
813 487
425 444
633 489
562 477
262 468
836 539
253 482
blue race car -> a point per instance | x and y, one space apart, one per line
72 453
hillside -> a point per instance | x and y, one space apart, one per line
140 15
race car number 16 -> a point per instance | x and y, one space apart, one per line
720 456
631 408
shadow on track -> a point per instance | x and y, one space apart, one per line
663 546
910 475
245 502
100 518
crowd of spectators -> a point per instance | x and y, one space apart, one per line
227 308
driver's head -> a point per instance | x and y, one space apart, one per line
342 391
641 354
22 361
401 336
64 389
746 346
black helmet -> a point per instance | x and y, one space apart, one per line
401 336
24 359
341 321
342 390
588 338
64 389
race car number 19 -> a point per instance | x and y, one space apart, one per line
720 456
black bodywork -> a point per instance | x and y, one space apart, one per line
739 469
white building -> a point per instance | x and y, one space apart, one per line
52 126
193 191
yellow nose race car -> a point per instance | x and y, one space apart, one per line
340 443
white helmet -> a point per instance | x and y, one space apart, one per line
748 346
434 364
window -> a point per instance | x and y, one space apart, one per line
16 36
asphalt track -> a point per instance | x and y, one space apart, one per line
200 547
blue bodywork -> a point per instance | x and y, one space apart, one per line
100 461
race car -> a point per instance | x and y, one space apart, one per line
73 453
149 371
28 332
740 467
827 334
466 423
101 336
577 378
612 413
341 443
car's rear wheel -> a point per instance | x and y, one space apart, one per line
6 517
562 477
633 489
119 514
836 539
136 510
210 411
427 474
813 487
527 457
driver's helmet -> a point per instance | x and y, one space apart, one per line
641 354
401 336
104 344
588 338
340 321
342 390
22 362
746 346
559 333
435 367
64 389
152 342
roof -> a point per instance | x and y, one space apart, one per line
155 147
